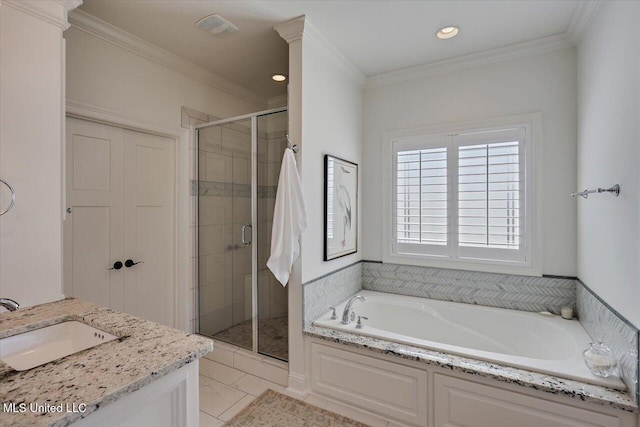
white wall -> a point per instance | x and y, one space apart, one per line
544 83
331 124
608 153
102 74
31 129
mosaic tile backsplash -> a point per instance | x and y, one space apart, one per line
329 291
524 293
604 325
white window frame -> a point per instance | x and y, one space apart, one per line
531 232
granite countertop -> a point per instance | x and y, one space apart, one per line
538 381
97 376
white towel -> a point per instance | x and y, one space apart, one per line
289 220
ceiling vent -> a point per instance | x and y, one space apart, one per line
216 25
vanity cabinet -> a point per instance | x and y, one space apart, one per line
171 401
418 394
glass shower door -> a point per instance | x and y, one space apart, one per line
225 290
273 325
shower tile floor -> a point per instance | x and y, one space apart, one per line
225 391
273 338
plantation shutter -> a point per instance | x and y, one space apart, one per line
490 195
460 195
421 196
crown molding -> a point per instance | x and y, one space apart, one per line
300 28
291 30
47 11
70 4
96 27
517 50
314 36
581 19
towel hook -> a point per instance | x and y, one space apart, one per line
290 146
13 197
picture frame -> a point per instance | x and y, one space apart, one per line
340 207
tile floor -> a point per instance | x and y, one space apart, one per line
225 391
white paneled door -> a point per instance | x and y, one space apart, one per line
120 232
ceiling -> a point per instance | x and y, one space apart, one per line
377 36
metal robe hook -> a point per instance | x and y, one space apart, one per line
290 146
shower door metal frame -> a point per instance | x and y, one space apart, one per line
254 215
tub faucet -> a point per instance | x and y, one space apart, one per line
9 304
347 308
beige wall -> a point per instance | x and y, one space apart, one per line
608 153
102 74
331 124
31 130
544 83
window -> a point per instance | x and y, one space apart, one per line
463 196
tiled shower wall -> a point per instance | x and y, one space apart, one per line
604 324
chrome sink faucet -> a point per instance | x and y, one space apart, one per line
347 308
9 304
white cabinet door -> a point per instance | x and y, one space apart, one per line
120 189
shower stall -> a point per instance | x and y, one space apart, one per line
239 301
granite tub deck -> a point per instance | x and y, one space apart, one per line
98 376
537 381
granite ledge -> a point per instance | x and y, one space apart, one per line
529 379
98 376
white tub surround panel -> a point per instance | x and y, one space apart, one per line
32 55
458 364
330 290
604 324
545 344
516 292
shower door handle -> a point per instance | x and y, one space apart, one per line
244 234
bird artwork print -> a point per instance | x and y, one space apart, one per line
344 202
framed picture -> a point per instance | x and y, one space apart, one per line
340 207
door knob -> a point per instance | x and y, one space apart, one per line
129 263
116 266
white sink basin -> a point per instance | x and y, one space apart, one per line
35 348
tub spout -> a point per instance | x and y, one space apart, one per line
347 308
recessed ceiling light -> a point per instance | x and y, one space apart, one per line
447 32
279 77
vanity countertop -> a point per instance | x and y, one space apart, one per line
97 376
534 380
